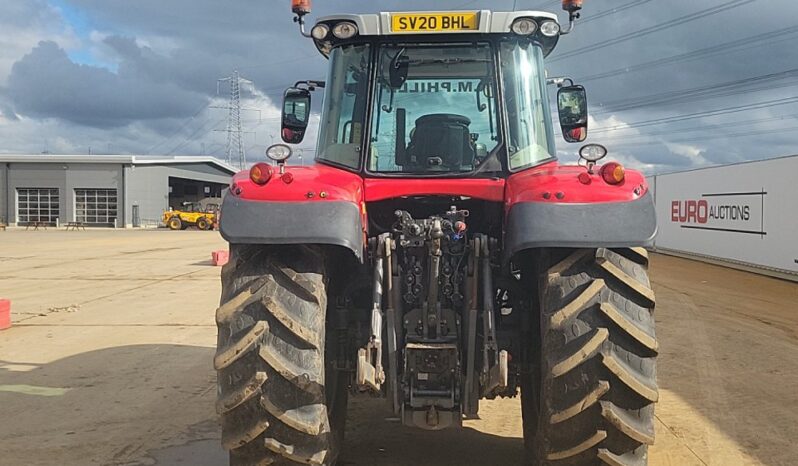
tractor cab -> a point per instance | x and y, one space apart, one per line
445 94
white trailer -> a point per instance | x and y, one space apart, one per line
744 214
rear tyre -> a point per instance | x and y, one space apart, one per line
174 223
203 224
272 396
592 400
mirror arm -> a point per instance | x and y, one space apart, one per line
301 20
560 81
311 85
480 106
389 108
572 17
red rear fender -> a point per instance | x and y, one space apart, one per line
566 207
314 183
560 184
305 205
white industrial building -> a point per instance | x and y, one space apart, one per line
104 190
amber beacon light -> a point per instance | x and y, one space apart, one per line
302 7
571 6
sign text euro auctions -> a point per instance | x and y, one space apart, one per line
739 212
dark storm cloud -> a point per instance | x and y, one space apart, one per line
744 21
47 84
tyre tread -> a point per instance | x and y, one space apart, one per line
581 447
598 369
271 357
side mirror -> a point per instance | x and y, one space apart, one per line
572 107
296 115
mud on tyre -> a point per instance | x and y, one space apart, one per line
592 401
270 358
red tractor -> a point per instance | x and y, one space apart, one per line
437 253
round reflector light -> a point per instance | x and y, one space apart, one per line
260 173
345 30
279 152
320 31
613 173
550 28
524 26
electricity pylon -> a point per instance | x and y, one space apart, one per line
235 153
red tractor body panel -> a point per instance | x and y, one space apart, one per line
550 183
544 206
314 183
560 184
488 189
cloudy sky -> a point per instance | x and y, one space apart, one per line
672 84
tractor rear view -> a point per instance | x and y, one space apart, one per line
437 254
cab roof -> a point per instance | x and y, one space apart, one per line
480 21
490 22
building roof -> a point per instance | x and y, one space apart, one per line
116 159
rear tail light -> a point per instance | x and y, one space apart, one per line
613 173
260 173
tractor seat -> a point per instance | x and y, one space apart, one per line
441 142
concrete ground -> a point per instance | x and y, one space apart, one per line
109 363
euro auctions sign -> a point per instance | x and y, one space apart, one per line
738 212
745 213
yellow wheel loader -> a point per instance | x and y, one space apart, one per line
192 214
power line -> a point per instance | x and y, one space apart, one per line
191 137
742 44
710 136
656 28
180 128
692 116
543 5
699 93
614 10
719 127
711 95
